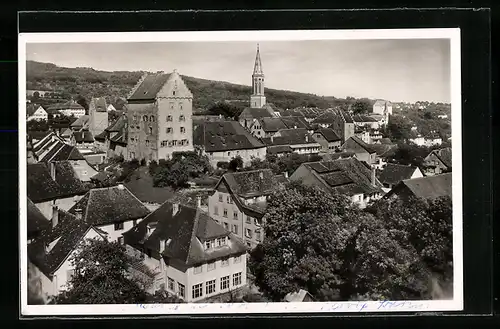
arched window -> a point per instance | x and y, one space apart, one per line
145 118
150 130
152 118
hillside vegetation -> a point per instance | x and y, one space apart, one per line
87 83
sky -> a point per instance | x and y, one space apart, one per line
397 70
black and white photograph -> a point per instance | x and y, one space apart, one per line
240 172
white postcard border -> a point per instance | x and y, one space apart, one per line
453 34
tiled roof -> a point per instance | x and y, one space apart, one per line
61 152
149 87
186 230
363 118
345 176
444 155
254 113
101 136
380 102
292 113
279 149
385 140
395 173
36 221
81 122
224 136
384 150
290 137
430 187
295 122
67 133
66 106
338 155
272 124
141 185
330 117
52 111
41 187
99 103
83 136
69 231
328 134
31 109
252 183
38 135
104 206
368 148
118 125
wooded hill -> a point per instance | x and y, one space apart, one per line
88 83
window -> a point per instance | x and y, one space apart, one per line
225 212
150 130
180 106
249 220
207 244
224 262
174 143
220 197
256 222
236 279
235 229
169 118
224 282
237 259
152 118
216 210
182 289
118 226
257 235
183 130
228 153
120 240
210 266
248 233
147 143
226 226
210 287
198 290
198 269
171 284
145 118
221 241
235 215
172 103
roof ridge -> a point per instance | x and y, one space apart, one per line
193 233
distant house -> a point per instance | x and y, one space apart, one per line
430 187
49 256
239 202
443 116
299 140
249 114
393 174
328 139
52 186
365 121
349 177
338 155
191 255
429 140
225 140
114 210
267 127
98 115
299 297
438 161
113 140
364 152
279 150
70 108
36 112
384 152
339 120
309 114
383 108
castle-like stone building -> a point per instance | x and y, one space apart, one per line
159 111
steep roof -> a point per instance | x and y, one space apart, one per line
292 113
252 183
41 187
141 185
395 173
367 147
37 135
272 124
119 124
430 187
384 150
363 118
186 230
331 116
290 137
68 233
345 176
149 87
81 123
102 206
329 134
61 152
295 122
31 109
380 102
99 103
224 136
255 113
444 155
36 221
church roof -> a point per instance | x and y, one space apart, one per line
255 113
257 69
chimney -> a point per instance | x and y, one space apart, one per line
373 177
55 216
261 175
198 201
285 174
175 208
120 186
307 138
150 227
52 170
79 213
272 139
162 245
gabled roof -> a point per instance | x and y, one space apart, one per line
101 136
149 87
272 124
380 102
61 152
104 206
99 103
37 135
292 113
141 185
367 147
290 137
332 115
345 176
430 187
224 136
68 233
41 187
252 183
186 230
294 122
329 134
81 123
444 155
31 109
395 173
36 221
363 118
255 113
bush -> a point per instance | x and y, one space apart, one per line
235 163
223 165
143 162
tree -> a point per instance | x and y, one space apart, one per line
235 164
360 107
227 110
100 276
83 102
320 242
37 125
398 128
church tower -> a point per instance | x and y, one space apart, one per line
257 99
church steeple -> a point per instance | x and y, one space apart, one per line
257 99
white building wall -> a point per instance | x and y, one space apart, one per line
246 155
113 234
